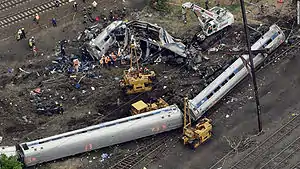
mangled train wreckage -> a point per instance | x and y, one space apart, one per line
145 124
153 42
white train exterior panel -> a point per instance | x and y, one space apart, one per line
8 150
234 74
102 135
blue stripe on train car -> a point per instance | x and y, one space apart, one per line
201 102
236 71
274 36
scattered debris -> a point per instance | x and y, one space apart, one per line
104 156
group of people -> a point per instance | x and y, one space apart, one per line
108 60
21 34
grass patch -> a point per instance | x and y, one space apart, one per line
234 8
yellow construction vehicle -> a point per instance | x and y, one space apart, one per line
142 107
195 136
136 79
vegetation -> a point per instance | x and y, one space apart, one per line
160 5
9 162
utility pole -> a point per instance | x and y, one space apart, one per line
251 66
298 12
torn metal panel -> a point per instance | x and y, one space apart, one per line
150 37
99 46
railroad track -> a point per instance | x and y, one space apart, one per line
273 57
27 13
141 153
263 148
278 161
7 4
294 166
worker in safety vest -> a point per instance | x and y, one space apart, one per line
107 60
31 42
19 35
76 65
102 60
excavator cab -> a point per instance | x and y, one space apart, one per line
142 107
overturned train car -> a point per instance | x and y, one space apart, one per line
101 135
234 73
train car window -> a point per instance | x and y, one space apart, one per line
225 81
35 149
231 76
217 89
162 117
208 96
25 147
42 148
268 42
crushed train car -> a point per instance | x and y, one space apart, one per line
154 42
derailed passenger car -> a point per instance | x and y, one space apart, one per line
101 135
153 42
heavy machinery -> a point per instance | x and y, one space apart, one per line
211 21
198 135
142 107
136 79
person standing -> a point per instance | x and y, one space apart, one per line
94 4
53 20
23 33
75 6
206 4
19 35
37 18
76 65
31 42
34 50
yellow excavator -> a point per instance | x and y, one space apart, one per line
136 79
142 107
198 135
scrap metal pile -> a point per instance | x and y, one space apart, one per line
153 42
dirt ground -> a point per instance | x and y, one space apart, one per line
19 121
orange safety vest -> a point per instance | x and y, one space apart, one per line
107 59
102 60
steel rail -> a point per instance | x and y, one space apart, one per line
29 12
140 154
263 148
283 155
8 4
